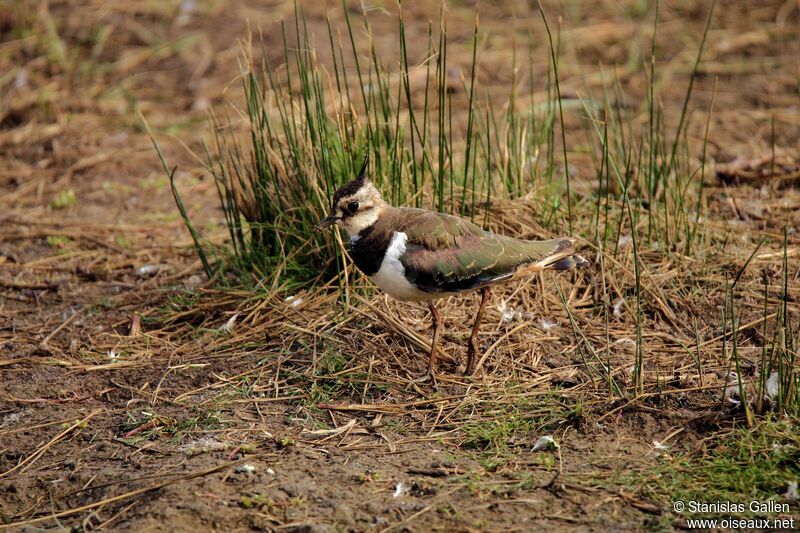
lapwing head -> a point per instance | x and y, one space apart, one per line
356 206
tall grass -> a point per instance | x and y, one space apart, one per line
783 360
309 126
655 187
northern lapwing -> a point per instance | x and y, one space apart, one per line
419 255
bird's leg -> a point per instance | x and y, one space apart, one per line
472 349
436 321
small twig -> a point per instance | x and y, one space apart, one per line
431 472
17 361
44 343
422 511
155 423
328 433
28 461
642 506
741 328
116 516
494 345
19 285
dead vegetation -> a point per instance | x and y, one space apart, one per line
136 393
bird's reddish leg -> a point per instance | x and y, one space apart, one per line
472 349
436 320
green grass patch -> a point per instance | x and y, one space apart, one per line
508 430
740 466
64 199
148 425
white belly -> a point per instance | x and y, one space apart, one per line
391 278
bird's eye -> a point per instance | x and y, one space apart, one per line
352 207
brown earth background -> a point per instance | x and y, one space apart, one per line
123 406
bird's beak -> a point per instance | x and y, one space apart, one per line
327 221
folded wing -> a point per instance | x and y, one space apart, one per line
449 254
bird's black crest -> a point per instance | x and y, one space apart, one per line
362 174
353 186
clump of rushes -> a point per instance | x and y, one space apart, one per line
309 128
274 186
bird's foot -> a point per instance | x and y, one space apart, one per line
427 376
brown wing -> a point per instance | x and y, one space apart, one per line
449 254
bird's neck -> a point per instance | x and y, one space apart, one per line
360 222
368 247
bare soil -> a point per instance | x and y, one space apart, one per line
123 406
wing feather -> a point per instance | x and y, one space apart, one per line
449 254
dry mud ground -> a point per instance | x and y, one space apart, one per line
174 426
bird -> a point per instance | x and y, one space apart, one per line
419 255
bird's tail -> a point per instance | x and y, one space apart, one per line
558 254
569 262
